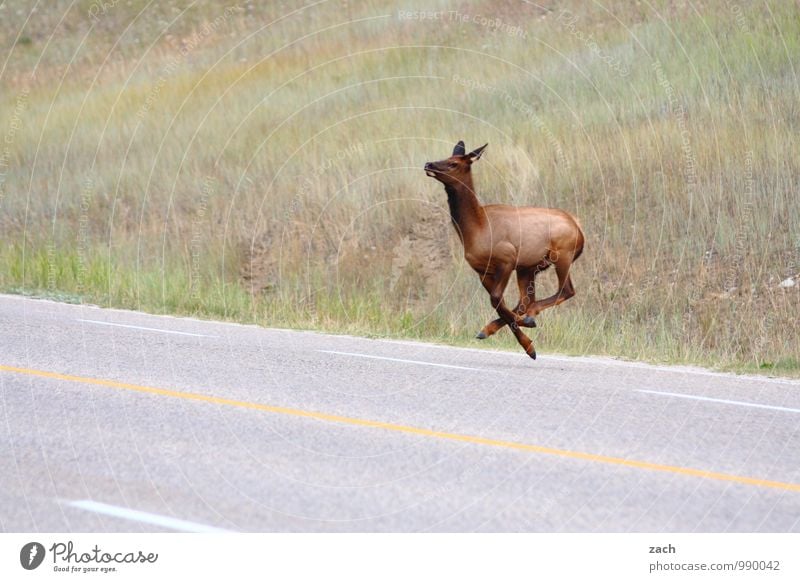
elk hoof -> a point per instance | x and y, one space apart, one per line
481 335
533 354
529 321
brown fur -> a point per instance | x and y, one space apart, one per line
499 239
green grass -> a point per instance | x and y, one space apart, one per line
220 168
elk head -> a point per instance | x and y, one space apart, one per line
455 169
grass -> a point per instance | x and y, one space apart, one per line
206 162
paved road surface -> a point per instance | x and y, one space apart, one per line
121 421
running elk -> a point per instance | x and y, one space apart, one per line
500 239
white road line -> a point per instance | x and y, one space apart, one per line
401 360
144 517
144 328
735 402
587 360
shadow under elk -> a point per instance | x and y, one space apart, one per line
499 239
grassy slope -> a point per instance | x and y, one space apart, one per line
263 165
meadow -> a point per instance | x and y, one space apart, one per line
262 163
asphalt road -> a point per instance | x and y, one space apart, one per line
120 421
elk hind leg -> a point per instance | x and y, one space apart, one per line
565 288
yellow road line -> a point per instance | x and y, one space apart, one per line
411 430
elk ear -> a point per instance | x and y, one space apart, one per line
459 149
476 154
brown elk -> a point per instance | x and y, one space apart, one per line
499 239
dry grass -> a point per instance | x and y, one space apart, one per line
264 164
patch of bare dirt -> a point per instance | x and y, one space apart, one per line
422 257
259 265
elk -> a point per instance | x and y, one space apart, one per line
499 239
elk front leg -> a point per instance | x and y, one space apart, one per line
525 282
495 284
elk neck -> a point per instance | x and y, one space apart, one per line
465 209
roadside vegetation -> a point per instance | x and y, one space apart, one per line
262 162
